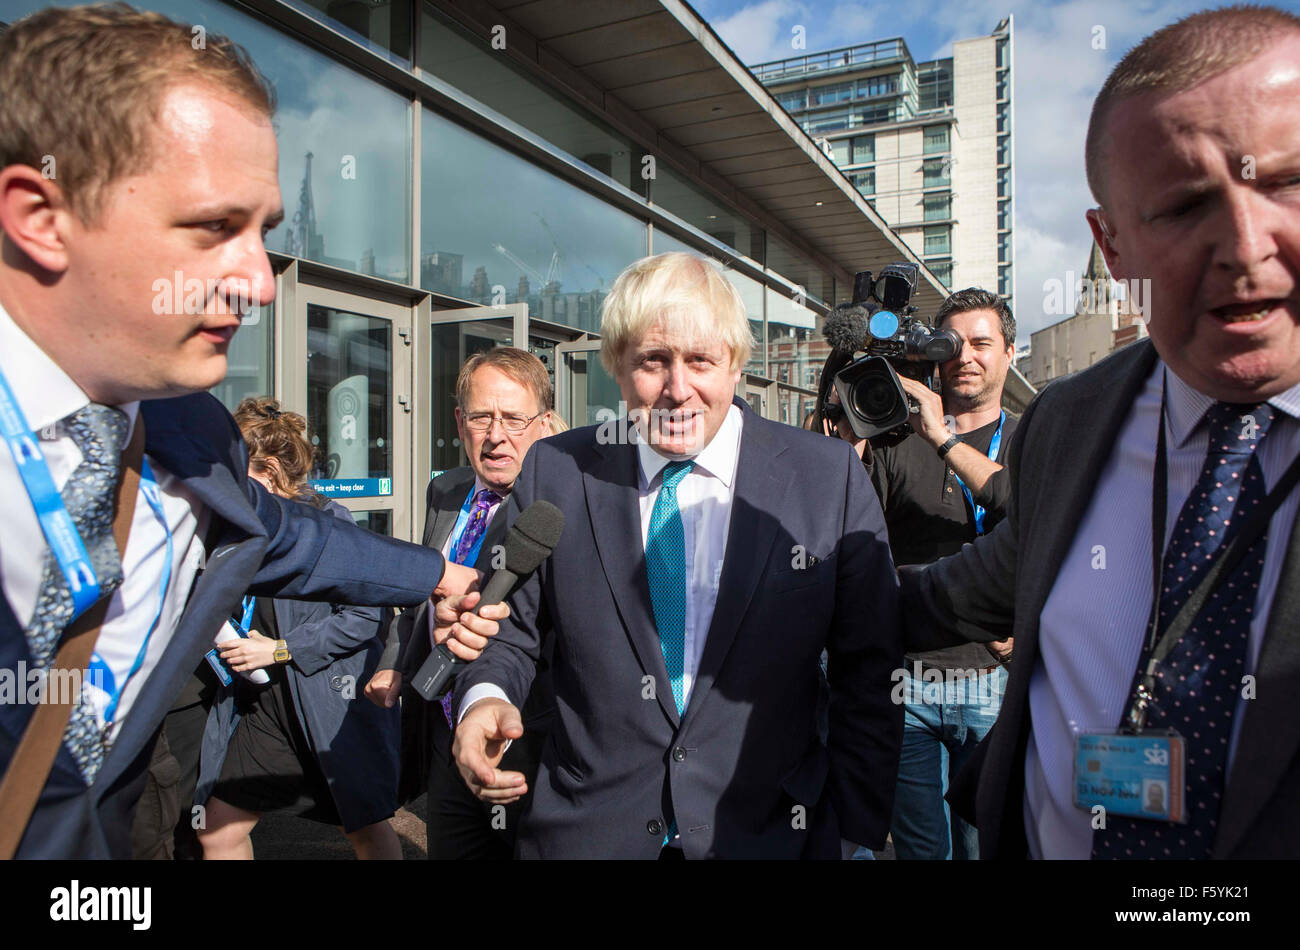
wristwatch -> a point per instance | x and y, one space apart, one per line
947 446
281 654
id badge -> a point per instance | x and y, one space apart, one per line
218 667
1138 776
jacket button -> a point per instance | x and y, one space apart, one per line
336 682
654 826
679 754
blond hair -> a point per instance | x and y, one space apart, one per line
278 446
83 86
1178 57
685 292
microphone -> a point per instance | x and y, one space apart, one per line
845 328
529 542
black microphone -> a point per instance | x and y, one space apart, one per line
529 542
845 328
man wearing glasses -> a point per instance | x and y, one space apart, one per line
503 405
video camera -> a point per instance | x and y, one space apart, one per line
880 322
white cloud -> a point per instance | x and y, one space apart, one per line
762 32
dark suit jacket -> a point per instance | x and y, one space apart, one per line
744 771
997 586
255 542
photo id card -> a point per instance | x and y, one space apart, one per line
1138 776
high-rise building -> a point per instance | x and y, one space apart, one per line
929 144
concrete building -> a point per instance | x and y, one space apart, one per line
931 144
461 174
1102 322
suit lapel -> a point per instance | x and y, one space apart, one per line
1074 454
1270 733
612 488
448 510
760 490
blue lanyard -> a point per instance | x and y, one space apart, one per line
994 444
246 624
60 533
149 485
65 541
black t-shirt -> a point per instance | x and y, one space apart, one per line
929 517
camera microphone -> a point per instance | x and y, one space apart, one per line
845 328
529 542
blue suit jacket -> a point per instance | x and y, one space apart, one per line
744 771
255 542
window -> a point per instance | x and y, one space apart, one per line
1004 215
877 86
936 139
934 85
1004 248
1004 86
938 240
380 24
1004 183
829 95
864 181
796 267
1004 117
466 62
936 173
1004 149
942 270
791 335
1004 282
793 101
694 206
495 227
937 207
864 149
1004 54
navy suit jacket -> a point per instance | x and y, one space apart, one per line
254 542
744 771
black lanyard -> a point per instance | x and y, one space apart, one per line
1227 559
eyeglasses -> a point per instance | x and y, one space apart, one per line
482 422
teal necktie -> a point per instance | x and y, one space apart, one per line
665 564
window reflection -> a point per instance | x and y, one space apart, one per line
794 342
712 217
451 345
463 60
798 269
496 229
382 25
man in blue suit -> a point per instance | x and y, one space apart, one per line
164 167
708 558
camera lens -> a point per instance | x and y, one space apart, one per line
874 399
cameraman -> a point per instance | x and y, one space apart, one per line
939 488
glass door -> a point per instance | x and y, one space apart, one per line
356 395
584 393
450 337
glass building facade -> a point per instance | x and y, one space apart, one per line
440 199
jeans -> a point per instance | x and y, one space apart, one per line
943 723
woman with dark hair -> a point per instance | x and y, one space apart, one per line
305 742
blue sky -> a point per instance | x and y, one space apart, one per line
1058 69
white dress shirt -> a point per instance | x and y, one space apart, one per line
704 498
47 395
1094 621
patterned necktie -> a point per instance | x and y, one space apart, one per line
476 525
1199 682
665 565
89 495
469 535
